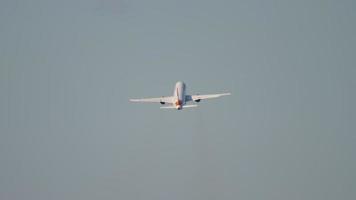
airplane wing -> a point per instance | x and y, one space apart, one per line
205 96
161 100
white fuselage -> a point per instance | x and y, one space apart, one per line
179 94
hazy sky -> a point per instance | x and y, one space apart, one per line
68 68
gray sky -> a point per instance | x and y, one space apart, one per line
68 68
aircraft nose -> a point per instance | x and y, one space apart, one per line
179 103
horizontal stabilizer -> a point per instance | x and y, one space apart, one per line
185 106
168 107
190 106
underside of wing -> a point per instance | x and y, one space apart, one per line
198 97
162 100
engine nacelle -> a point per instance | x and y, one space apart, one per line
198 100
162 102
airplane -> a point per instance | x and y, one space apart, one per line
179 98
